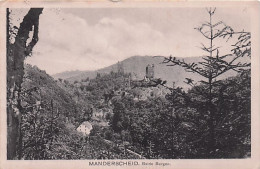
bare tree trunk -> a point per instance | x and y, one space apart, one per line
16 54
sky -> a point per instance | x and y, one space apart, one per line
93 38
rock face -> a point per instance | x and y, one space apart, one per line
85 128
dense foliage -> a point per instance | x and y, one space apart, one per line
176 127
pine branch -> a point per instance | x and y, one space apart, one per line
189 67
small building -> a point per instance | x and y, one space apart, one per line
98 113
85 128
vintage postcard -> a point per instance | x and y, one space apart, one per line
105 84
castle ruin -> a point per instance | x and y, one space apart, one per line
120 68
149 71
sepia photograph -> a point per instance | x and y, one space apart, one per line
128 83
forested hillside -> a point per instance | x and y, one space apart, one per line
139 124
52 111
128 122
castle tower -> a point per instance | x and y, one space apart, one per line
120 69
150 71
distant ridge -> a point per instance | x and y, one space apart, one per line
67 74
137 64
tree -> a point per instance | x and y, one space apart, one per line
117 121
82 87
215 64
16 54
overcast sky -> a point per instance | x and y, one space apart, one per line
89 39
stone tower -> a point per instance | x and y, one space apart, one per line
120 68
150 71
